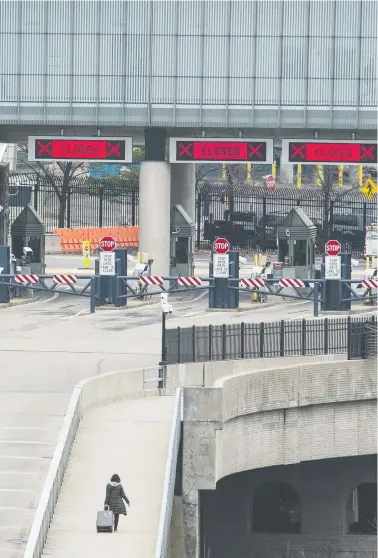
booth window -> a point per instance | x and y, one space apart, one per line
276 509
361 509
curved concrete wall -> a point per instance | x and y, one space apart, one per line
297 413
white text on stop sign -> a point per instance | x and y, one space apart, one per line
107 243
221 245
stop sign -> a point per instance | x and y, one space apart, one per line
333 248
107 244
221 246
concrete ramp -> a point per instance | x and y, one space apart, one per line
129 438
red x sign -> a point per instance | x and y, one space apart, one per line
254 150
185 149
113 149
297 151
44 148
367 152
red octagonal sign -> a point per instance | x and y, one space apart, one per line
221 246
107 244
333 248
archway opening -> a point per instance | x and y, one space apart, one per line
361 509
276 509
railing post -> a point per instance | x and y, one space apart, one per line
224 335
178 345
194 343
242 333
93 295
282 338
133 207
68 207
304 337
349 337
210 341
325 336
199 202
316 299
262 326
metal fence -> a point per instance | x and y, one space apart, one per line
267 340
371 339
247 214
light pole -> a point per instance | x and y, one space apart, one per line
165 309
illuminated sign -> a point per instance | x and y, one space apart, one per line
60 148
206 150
329 152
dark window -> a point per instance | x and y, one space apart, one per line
361 509
276 509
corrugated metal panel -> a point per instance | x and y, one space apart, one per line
260 57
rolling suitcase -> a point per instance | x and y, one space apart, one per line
105 521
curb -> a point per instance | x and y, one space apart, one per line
22 303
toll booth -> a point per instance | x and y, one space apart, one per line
182 237
296 236
28 240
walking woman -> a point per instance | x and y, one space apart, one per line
114 499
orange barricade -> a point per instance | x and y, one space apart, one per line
71 240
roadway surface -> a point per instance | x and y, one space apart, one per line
46 348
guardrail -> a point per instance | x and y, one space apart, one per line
96 390
169 479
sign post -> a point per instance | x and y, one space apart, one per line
107 263
221 259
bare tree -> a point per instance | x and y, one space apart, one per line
59 175
4 204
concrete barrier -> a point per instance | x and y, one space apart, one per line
205 374
93 391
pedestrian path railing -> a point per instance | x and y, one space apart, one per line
162 541
93 391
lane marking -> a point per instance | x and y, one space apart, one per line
53 297
75 315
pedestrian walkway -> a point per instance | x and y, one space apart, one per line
129 438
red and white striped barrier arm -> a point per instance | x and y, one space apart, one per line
258 282
189 281
370 283
291 283
26 279
151 280
64 279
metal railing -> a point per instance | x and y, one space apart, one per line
267 340
162 541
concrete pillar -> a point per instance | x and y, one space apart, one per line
154 202
183 184
286 174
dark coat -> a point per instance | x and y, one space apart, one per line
114 499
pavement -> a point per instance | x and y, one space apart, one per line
46 348
111 436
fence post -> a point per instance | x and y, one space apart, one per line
304 323
224 335
282 338
199 202
316 299
325 323
36 192
69 207
178 345
194 343
101 206
349 337
262 326
133 208
210 341
242 332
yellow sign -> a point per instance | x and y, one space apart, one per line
369 189
86 253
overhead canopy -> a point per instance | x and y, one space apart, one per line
299 225
28 223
